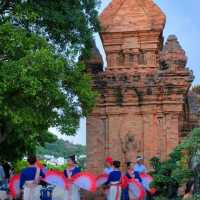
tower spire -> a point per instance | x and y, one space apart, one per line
134 15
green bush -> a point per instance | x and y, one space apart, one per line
177 170
195 197
56 167
19 165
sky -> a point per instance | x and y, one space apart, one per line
183 20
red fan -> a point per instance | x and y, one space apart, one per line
14 186
101 179
56 178
146 181
124 182
85 180
136 191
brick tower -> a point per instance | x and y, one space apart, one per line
141 106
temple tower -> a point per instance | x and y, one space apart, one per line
142 93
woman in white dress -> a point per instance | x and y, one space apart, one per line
72 192
114 182
29 180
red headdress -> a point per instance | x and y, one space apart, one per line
109 160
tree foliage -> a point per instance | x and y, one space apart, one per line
67 23
179 168
41 83
61 148
58 148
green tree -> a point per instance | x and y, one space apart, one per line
180 168
61 148
69 24
41 83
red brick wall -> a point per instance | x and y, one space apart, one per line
142 91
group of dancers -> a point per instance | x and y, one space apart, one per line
30 177
113 186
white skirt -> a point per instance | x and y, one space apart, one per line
32 193
114 192
58 194
72 193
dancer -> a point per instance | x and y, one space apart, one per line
139 168
128 175
29 179
129 171
2 176
108 165
114 182
72 192
7 168
107 170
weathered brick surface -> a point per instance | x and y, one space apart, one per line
141 108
